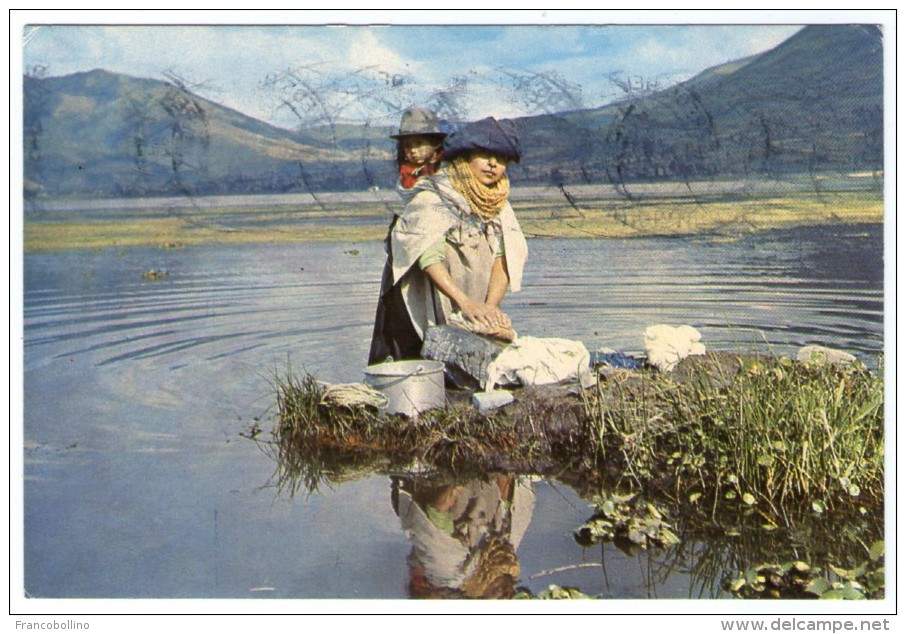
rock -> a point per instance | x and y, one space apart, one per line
488 401
155 274
820 354
465 355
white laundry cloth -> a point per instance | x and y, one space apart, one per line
540 361
666 346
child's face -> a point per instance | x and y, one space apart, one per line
419 149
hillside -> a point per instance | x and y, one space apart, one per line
813 104
105 134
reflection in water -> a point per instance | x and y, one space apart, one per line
464 534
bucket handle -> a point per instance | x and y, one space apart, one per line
417 370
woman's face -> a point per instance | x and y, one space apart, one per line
488 167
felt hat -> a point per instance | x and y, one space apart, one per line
487 134
419 121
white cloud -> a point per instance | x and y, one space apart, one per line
367 49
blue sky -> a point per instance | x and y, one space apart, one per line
503 70
529 62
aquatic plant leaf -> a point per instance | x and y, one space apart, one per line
766 460
877 550
554 591
818 586
769 568
600 528
800 567
819 507
622 499
693 497
737 585
849 574
874 580
668 537
854 490
848 593
637 537
748 498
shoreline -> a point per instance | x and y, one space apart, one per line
543 217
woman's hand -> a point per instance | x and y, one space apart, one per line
485 314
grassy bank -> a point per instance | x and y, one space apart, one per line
170 232
545 217
773 435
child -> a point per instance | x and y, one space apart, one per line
419 146
419 151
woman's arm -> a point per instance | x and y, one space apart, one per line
497 286
484 313
500 280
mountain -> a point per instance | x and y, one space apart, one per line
812 104
104 134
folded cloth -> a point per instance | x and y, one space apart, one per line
540 361
666 346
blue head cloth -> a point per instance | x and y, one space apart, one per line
486 134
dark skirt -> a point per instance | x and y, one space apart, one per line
394 337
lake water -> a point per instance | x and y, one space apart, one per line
138 483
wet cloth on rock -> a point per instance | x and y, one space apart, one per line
532 361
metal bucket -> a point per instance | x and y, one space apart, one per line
411 387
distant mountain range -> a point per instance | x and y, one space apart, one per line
813 104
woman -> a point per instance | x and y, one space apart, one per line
456 247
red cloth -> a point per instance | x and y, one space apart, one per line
410 173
